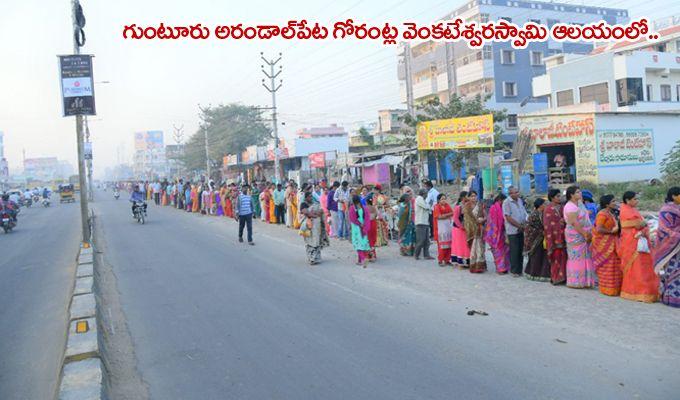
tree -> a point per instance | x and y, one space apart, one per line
457 107
231 128
670 165
366 137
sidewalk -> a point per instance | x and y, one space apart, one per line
634 326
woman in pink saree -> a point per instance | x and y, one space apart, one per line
494 236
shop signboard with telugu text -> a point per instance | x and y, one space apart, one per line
567 129
625 147
77 86
456 133
317 160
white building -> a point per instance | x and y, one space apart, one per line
638 76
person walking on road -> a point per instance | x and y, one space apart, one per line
332 206
360 220
422 226
341 196
431 200
312 229
244 212
515 217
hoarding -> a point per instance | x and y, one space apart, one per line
77 86
317 160
456 133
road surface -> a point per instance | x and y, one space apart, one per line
37 269
210 318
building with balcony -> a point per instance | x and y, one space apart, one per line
149 157
626 76
441 69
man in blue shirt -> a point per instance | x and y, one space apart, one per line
279 204
137 196
244 212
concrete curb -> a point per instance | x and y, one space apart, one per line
81 377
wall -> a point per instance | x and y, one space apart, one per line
664 131
303 147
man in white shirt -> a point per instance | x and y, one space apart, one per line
431 200
423 214
515 218
342 198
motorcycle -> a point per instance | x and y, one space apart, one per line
139 211
7 222
116 195
36 199
46 202
28 202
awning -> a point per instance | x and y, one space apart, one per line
390 159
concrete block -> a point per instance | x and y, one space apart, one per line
85 259
85 270
83 306
82 345
81 380
83 285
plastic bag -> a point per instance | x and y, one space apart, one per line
642 245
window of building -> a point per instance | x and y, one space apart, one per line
552 52
565 98
484 18
649 92
508 19
466 60
552 22
599 93
536 58
677 92
628 91
487 52
511 121
535 20
510 89
666 93
507 56
478 55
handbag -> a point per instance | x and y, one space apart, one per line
642 245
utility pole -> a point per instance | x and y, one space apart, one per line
84 205
178 135
409 90
205 140
273 88
451 77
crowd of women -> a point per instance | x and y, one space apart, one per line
564 239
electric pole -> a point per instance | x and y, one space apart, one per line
178 135
273 88
84 206
90 188
205 139
409 90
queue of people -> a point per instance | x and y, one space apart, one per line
562 239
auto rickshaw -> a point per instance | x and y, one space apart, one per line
66 193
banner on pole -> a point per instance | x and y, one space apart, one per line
88 150
77 86
456 133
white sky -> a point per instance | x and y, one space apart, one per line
155 84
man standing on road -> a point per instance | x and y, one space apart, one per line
431 200
157 193
515 218
279 204
423 210
342 198
244 214
332 206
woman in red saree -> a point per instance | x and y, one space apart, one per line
442 213
373 229
603 248
460 251
554 225
494 236
640 282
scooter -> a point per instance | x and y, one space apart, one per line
116 195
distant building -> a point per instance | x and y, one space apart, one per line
173 153
389 127
625 76
441 69
149 158
329 131
42 169
2 145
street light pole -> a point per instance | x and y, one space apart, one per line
272 88
84 204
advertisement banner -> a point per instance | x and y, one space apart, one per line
77 86
575 129
88 150
625 147
317 160
456 133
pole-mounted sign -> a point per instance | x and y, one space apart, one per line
77 85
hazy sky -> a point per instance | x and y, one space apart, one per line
155 84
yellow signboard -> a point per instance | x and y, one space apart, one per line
456 133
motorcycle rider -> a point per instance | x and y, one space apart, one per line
45 193
9 206
137 196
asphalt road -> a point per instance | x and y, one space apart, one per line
210 318
37 267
